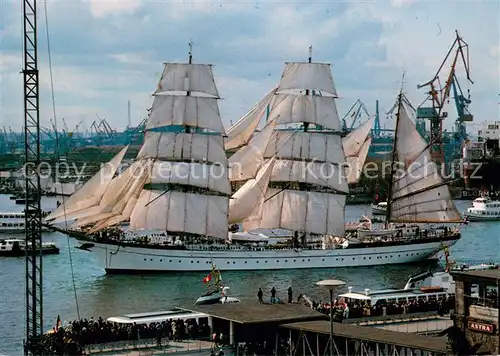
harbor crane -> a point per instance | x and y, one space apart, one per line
33 217
439 94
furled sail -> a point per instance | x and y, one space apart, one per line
188 189
356 145
419 193
241 132
90 194
308 184
244 201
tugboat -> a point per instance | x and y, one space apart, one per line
17 248
216 292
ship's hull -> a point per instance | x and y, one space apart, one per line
128 259
480 217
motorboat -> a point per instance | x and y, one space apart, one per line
216 292
18 247
483 209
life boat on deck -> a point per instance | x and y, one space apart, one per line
431 289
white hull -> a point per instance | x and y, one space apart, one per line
120 259
480 217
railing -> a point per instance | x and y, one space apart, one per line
152 344
417 326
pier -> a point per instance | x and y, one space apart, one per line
294 329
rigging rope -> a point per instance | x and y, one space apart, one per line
58 156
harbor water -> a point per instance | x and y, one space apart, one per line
98 294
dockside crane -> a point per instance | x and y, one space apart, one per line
355 112
439 94
32 212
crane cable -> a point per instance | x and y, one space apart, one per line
58 155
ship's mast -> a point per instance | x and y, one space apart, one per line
391 175
187 129
306 124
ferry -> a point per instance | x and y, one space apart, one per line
483 209
17 248
380 208
14 222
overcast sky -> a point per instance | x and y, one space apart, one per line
106 52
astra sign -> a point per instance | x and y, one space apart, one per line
485 328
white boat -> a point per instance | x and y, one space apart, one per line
418 195
379 208
216 291
11 222
17 248
483 209
179 221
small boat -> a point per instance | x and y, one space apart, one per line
17 248
380 208
483 209
20 201
216 293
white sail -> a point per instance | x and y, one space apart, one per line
245 162
213 177
306 146
292 108
188 189
181 146
124 214
356 146
173 211
244 201
308 183
323 174
356 163
419 194
195 78
120 190
90 194
304 211
304 75
241 132
186 111
353 142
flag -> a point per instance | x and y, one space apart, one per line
207 278
58 322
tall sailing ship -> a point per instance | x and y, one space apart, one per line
291 175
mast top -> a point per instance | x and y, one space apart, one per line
310 53
190 52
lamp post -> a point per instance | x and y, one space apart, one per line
330 284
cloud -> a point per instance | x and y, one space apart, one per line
105 53
103 8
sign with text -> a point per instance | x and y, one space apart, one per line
485 328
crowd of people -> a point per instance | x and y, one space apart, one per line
361 309
77 335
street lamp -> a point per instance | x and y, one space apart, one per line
330 284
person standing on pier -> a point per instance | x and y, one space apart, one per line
273 295
290 294
260 295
